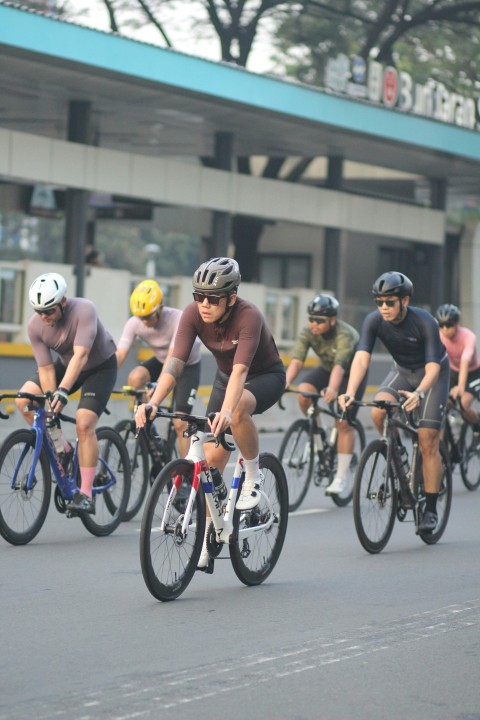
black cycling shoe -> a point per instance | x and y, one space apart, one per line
428 523
81 503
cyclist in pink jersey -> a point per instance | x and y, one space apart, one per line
250 375
86 359
461 346
156 324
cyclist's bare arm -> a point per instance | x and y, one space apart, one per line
233 393
432 371
75 366
47 377
360 365
335 380
121 354
293 370
165 384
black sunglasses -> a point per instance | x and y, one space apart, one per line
446 324
212 299
388 303
318 320
47 313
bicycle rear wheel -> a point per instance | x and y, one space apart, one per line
444 501
137 449
113 466
470 457
169 559
343 498
255 555
374 498
22 511
296 456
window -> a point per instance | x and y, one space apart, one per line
285 271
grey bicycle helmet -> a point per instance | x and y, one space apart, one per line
220 273
324 305
448 313
47 290
392 283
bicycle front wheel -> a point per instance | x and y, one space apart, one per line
444 500
343 498
296 456
470 457
374 498
111 486
168 557
255 554
22 510
137 449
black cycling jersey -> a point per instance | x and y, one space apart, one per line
412 343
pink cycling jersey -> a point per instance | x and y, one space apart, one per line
463 346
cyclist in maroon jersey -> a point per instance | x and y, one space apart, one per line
86 360
250 375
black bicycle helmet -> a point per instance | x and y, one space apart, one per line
220 273
448 313
323 305
393 283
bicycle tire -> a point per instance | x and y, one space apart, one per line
110 505
470 458
137 449
169 561
374 498
444 500
343 498
22 514
296 457
254 557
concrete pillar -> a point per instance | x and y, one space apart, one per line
76 213
333 236
222 221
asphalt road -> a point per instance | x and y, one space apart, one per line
334 633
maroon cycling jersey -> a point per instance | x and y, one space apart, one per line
244 339
80 325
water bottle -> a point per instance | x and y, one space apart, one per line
57 438
219 483
403 455
455 421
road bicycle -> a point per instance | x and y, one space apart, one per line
174 518
148 453
462 442
309 449
388 484
29 462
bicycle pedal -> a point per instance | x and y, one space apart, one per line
208 569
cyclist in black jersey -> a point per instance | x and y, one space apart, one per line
420 373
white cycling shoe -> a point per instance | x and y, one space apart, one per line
250 494
336 487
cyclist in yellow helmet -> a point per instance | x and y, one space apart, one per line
156 324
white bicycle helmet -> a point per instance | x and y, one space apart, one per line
46 291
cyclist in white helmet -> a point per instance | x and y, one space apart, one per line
86 360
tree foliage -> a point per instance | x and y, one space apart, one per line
428 38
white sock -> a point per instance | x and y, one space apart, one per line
343 463
251 468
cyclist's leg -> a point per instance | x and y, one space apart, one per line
432 413
469 412
185 396
96 386
146 372
397 379
313 381
32 385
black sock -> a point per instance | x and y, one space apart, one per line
431 502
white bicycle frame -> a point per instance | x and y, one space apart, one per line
221 513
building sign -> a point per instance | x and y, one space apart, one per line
394 88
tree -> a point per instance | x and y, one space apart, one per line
429 38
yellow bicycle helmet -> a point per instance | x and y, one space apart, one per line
146 298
